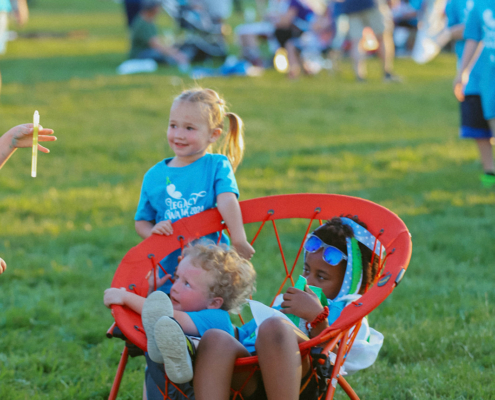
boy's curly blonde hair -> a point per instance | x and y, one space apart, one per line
233 276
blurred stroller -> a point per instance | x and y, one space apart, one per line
200 26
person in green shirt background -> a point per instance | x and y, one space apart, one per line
145 41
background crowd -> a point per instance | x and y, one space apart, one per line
314 33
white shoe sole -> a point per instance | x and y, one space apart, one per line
155 306
172 344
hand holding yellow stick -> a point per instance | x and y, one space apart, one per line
21 136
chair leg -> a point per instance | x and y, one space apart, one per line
119 374
336 368
347 388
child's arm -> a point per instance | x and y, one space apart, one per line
169 51
304 304
135 302
148 228
456 32
471 49
3 266
131 300
229 208
122 297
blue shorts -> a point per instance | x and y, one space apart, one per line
473 123
154 378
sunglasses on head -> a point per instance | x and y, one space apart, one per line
331 254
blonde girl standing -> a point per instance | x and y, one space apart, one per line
195 179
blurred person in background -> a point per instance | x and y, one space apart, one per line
250 32
19 9
405 17
298 18
145 41
375 14
219 10
293 22
284 23
131 8
305 53
473 24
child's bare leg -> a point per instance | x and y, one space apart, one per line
214 367
293 58
358 62
277 347
486 154
386 51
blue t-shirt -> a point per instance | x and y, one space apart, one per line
416 4
354 6
247 332
212 319
5 6
457 12
480 26
170 193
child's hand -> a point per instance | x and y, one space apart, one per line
303 304
459 86
163 228
3 266
159 281
22 136
244 249
114 296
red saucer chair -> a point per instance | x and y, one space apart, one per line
386 226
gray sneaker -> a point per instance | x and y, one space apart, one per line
176 348
155 306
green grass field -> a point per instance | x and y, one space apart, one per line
64 233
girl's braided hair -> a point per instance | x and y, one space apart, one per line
334 232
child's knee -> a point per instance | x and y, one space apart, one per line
274 332
216 344
215 340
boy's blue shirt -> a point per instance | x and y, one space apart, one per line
211 319
457 12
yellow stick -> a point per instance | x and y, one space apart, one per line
36 123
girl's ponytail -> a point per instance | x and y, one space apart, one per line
233 146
